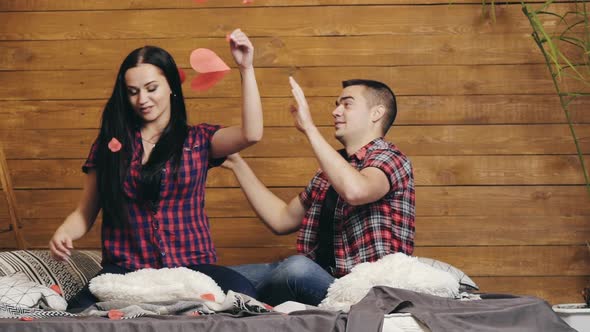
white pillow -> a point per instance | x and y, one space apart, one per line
154 285
465 283
16 289
396 270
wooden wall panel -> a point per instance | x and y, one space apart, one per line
437 231
264 21
277 172
413 140
412 110
431 201
283 52
325 81
499 187
45 5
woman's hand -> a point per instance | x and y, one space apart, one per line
60 245
241 49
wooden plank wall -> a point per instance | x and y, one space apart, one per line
499 188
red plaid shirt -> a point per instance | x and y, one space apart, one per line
177 233
367 232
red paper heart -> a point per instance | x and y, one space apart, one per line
182 75
56 289
205 81
114 145
208 297
204 60
115 314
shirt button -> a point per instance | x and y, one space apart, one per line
163 253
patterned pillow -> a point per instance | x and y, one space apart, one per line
70 276
465 283
16 289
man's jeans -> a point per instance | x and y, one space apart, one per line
296 278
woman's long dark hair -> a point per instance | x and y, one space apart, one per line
121 122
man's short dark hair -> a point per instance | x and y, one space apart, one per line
378 93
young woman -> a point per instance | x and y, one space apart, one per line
147 171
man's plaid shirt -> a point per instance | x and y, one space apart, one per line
366 232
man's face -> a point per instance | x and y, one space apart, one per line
352 114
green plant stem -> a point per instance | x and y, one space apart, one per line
564 104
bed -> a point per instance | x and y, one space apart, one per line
383 309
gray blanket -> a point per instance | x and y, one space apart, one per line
495 312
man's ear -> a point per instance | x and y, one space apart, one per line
377 112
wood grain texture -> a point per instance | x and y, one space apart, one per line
412 110
461 231
281 172
315 81
499 190
288 142
283 51
48 5
496 201
265 21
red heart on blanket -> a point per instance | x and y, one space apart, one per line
56 289
208 297
115 314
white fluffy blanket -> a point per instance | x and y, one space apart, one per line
395 270
153 285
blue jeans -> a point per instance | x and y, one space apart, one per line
296 278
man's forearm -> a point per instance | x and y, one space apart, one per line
345 179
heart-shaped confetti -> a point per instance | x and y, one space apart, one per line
182 75
115 314
208 297
204 82
56 289
114 145
204 60
210 67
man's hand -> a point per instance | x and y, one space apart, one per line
231 161
300 113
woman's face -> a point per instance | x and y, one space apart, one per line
149 93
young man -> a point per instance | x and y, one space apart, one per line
358 207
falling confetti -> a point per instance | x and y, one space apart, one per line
206 81
114 145
210 67
182 75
